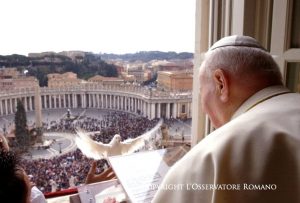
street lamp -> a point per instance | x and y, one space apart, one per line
60 147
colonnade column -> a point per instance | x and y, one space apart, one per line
59 101
109 101
1 107
5 105
149 110
188 109
122 105
125 103
118 102
90 100
11 107
75 100
168 111
38 107
65 100
94 100
152 111
68 98
16 103
25 104
106 101
144 108
28 103
128 104
65 104
54 98
132 104
141 107
113 101
45 101
175 110
136 105
158 110
82 100
98 100
50 101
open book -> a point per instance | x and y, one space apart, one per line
141 173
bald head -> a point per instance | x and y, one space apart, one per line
234 69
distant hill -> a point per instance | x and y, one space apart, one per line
41 64
146 56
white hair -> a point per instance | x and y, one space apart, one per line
243 61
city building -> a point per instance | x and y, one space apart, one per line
175 80
137 71
11 79
106 80
74 55
175 65
65 79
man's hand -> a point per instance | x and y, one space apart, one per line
110 200
92 177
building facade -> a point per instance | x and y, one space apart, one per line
106 80
56 80
175 80
11 79
127 98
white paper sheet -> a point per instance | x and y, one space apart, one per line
140 173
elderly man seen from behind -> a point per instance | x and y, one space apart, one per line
254 154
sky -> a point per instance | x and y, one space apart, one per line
98 26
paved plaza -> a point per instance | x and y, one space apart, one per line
63 142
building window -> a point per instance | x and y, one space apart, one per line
295 25
293 76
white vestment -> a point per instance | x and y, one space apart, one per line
53 185
254 158
37 196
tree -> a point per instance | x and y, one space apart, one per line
21 129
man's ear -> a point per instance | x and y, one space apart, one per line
221 81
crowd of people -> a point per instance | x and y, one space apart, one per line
62 172
70 170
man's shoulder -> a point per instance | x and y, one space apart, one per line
253 127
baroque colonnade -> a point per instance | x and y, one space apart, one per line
133 99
